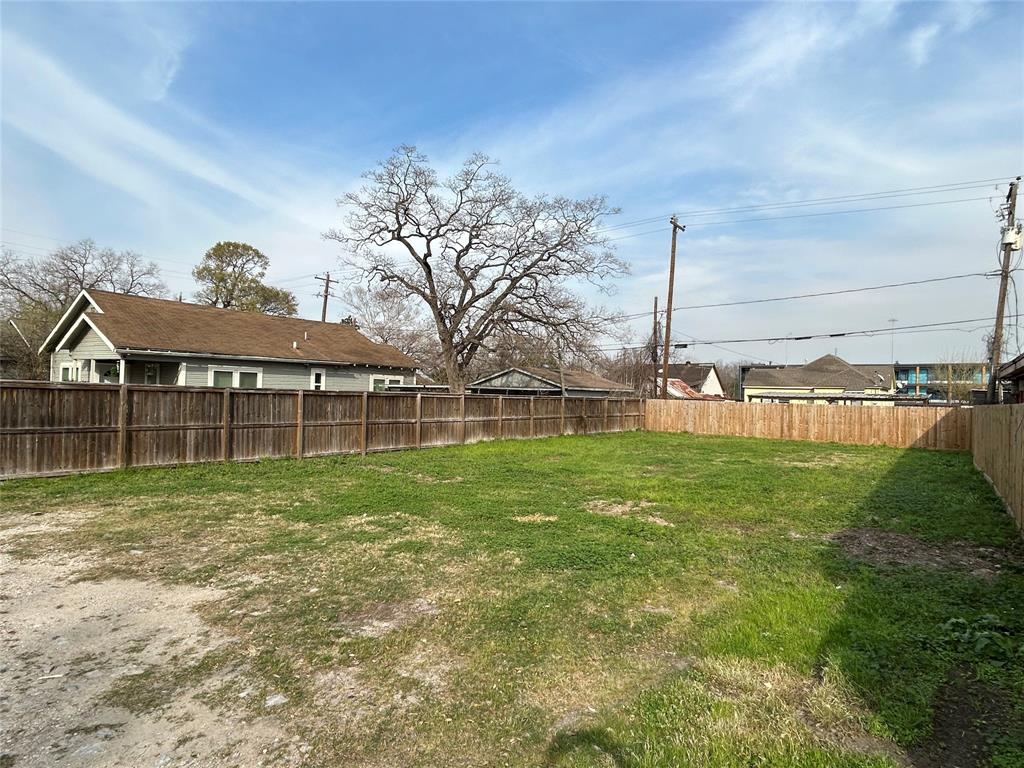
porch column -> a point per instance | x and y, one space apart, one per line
122 370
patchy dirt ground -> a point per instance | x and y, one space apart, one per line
886 548
627 509
67 643
965 709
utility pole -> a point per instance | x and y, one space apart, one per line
676 228
654 352
326 280
1009 240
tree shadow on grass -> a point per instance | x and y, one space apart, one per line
931 629
928 635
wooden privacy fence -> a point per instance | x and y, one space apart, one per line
900 427
48 429
999 452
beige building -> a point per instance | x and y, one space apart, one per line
826 381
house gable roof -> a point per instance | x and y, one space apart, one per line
143 324
827 371
552 379
694 374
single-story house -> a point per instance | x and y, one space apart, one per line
1011 374
680 390
119 338
701 378
824 381
527 381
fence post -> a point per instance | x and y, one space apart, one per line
561 415
642 404
501 414
364 427
122 428
533 432
462 416
225 438
299 424
419 419
604 425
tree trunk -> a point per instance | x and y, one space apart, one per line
454 372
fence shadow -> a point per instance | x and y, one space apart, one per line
926 563
932 570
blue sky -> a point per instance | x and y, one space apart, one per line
164 128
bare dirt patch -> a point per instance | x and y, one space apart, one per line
885 548
964 711
625 509
68 643
387 617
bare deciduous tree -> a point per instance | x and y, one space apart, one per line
481 256
35 291
388 315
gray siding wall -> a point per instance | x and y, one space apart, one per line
293 375
90 346
56 358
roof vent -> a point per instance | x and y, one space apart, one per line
295 345
305 335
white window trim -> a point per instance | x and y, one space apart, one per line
75 370
375 378
235 370
323 378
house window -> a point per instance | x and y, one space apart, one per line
108 373
241 378
317 378
381 383
69 372
152 373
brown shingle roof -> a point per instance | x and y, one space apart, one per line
573 379
576 379
141 323
826 371
694 374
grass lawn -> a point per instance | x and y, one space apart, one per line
634 600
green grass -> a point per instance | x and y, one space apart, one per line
636 599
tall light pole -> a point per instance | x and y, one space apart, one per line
892 340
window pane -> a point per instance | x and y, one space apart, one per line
65 374
248 380
222 378
378 385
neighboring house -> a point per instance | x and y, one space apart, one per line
702 378
118 338
941 382
824 381
1011 374
547 381
680 390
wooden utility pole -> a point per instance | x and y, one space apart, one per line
654 352
676 228
326 280
1009 232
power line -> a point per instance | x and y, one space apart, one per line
823 293
806 215
918 328
881 195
